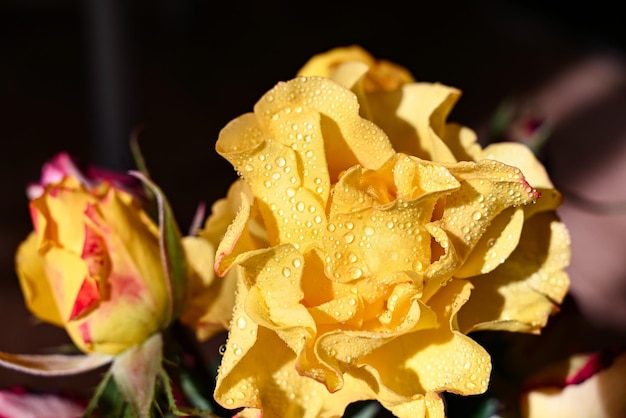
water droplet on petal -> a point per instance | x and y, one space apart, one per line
241 322
356 272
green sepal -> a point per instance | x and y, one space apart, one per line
173 408
135 372
172 252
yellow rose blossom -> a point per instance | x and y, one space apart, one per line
93 265
370 238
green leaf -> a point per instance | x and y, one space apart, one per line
181 412
172 252
97 395
140 162
53 364
368 410
135 371
488 409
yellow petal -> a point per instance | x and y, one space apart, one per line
343 347
234 245
333 111
435 360
521 293
520 156
56 213
289 203
210 300
495 246
487 188
66 272
381 74
268 380
431 406
326 63
462 142
415 117
35 285
362 220
275 296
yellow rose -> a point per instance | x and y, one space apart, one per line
371 237
93 265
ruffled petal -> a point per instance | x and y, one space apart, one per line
438 359
487 188
521 293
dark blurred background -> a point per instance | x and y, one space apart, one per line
80 76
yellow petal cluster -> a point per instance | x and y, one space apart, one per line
369 237
93 265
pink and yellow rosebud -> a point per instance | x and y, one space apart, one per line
93 265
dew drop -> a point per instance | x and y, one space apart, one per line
356 272
286 272
222 349
241 322
369 231
348 237
476 216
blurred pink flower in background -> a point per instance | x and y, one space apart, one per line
18 403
